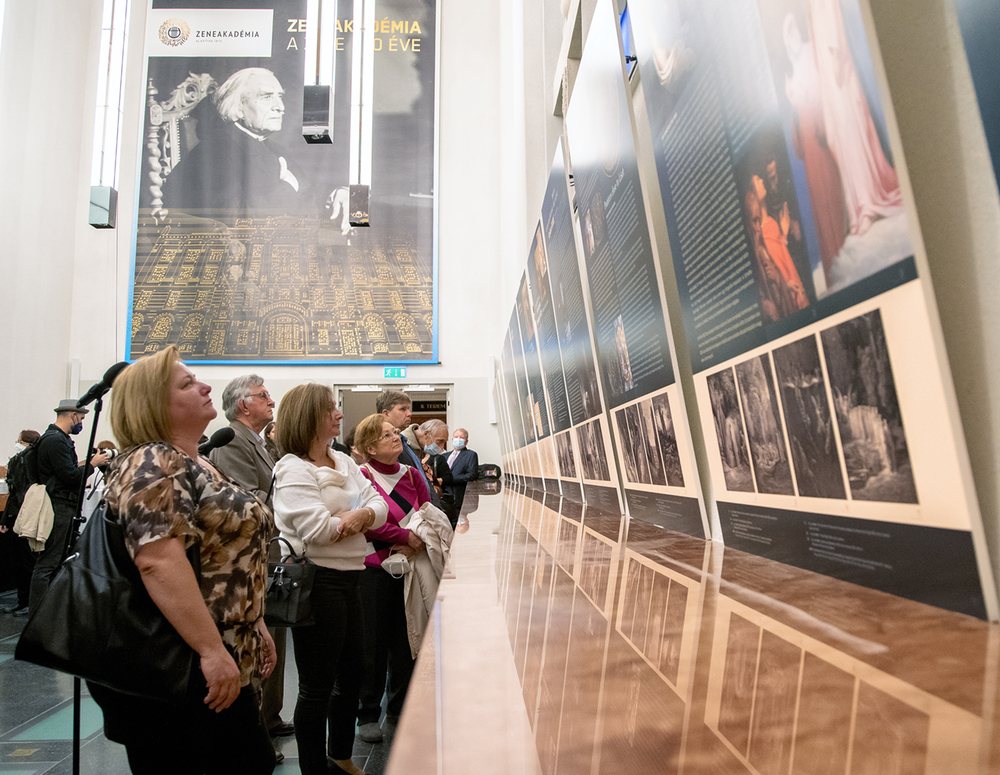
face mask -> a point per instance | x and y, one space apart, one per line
458 443
432 449
76 428
19 447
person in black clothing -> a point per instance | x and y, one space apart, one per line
434 434
62 476
464 465
22 558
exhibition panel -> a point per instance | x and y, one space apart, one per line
820 375
624 295
823 420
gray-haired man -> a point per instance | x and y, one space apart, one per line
249 408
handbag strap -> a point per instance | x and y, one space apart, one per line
193 552
291 549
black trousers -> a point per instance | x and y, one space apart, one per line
388 664
329 657
188 739
49 559
272 688
23 560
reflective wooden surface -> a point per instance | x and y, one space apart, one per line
572 641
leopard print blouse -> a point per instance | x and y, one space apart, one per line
159 492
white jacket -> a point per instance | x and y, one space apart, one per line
426 568
34 520
307 500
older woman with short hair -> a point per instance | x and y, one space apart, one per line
168 499
323 506
387 647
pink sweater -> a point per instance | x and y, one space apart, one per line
405 483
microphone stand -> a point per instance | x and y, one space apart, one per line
71 535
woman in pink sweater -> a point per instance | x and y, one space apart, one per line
389 664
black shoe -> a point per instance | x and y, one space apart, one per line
370 732
279 757
282 729
22 611
10 608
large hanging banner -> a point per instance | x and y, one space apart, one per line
636 360
820 375
244 249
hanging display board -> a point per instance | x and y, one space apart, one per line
979 21
830 421
244 248
556 283
635 357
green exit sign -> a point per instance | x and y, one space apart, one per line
394 372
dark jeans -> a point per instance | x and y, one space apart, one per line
329 657
188 739
388 664
23 560
50 558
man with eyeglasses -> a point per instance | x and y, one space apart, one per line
249 408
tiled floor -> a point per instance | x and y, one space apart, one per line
36 721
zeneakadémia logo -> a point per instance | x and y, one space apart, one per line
174 32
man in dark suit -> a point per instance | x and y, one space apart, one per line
249 408
464 465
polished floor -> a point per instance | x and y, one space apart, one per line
570 641
36 721
566 640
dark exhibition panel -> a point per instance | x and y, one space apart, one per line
769 361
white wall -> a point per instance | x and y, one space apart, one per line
64 285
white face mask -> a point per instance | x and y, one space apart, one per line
19 447
458 443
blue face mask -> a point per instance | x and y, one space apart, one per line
432 449
458 443
76 428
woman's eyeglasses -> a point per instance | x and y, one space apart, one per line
389 435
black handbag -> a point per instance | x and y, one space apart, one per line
98 622
488 471
289 585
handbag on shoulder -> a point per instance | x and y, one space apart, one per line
98 622
289 585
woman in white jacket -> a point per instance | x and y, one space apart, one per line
323 506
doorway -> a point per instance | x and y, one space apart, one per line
430 402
